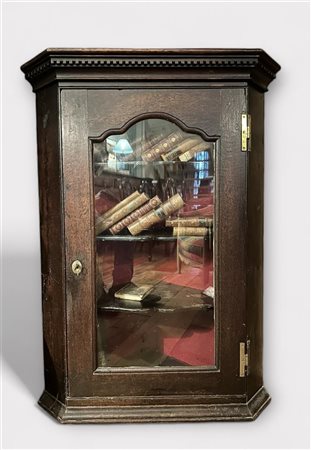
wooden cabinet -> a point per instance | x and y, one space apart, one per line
151 207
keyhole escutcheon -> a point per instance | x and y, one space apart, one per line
76 267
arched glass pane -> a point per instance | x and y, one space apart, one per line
154 239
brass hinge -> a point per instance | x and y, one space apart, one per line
246 132
244 358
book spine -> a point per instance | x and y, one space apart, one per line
189 222
173 204
163 146
170 156
181 148
120 213
153 203
144 222
155 216
189 154
189 231
141 146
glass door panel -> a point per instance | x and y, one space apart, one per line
154 240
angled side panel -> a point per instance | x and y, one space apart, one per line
51 227
255 186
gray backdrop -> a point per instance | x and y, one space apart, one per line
282 30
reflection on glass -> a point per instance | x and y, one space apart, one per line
154 215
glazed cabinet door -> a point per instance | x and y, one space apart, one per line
155 232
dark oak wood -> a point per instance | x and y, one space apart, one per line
255 207
52 243
216 65
222 409
82 94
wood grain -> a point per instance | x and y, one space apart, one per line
52 245
79 236
255 206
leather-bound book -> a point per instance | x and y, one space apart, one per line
153 203
173 204
127 208
182 147
189 222
189 231
143 223
133 292
141 146
164 146
119 205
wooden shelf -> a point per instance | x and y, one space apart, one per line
143 237
155 163
166 298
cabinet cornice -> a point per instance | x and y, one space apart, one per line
228 65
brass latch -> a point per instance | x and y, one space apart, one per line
244 358
246 132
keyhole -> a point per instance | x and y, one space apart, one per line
76 267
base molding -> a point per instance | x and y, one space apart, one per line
162 413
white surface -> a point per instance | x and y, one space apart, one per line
281 29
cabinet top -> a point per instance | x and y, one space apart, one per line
226 66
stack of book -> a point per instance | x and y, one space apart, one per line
190 233
119 211
137 212
190 226
135 215
175 146
164 210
